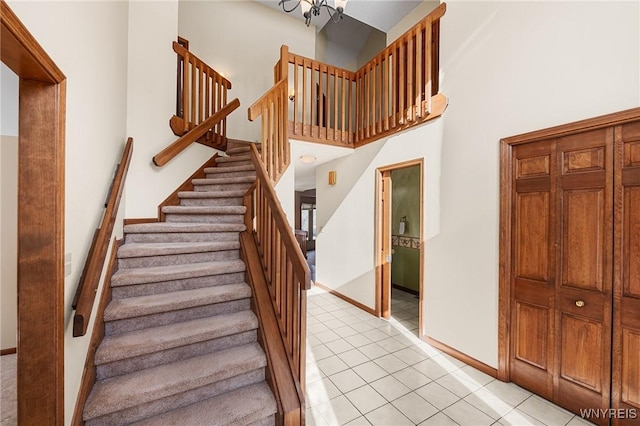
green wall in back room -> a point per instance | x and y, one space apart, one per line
405 268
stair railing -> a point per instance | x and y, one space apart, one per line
201 90
395 90
396 87
272 107
201 105
282 292
90 279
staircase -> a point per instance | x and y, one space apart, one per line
180 342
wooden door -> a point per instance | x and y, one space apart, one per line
534 264
562 227
626 348
584 275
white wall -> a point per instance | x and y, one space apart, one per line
8 207
509 68
88 41
151 100
411 19
9 99
8 241
242 40
345 259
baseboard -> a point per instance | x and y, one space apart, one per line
134 221
347 299
478 365
9 351
406 290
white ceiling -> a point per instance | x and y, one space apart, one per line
380 14
305 173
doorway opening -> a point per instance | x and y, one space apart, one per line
305 226
399 247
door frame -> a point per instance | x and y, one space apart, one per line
506 206
41 140
383 241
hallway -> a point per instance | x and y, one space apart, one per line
363 370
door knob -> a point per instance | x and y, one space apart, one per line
579 303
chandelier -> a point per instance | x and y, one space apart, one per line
312 8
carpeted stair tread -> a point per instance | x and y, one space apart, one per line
233 159
212 194
163 302
155 339
243 406
223 180
175 227
210 210
122 392
131 250
230 169
175 272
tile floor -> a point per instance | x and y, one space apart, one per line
363 370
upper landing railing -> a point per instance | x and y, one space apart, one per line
316 102
201 105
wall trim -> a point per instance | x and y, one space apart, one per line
8 351
135 221
97 335
460 356
347 299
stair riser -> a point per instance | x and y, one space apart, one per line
129 365
204 218
222 187
215 170
211 201
265 421
125 291
235 163
225 174
173 402
164 318
177 237
177 259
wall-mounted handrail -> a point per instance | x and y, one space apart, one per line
167 154
90 279
286 271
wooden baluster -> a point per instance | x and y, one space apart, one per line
304 95
192 95
428 78
285 135
419 58
385 96
314 97
321 122
379 77
205 98
295 96
410 68
367 102
343 127
335 105
326 99
200 95
185 92
402 84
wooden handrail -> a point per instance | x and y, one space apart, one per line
287 275
272 106
201 92
164 156
90 279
